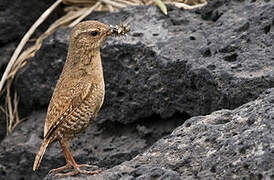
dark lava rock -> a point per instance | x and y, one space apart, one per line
6 53
17 16
2 125
167 64
167 69
227 144
104 145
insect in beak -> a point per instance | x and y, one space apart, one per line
119 30
109 32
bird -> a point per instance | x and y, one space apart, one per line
78 95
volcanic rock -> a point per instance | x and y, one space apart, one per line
168 69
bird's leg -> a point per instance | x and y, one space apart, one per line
71 162
67 166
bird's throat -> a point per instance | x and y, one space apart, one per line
82 62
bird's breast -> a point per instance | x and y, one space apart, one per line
83 115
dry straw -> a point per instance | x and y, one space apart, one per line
76 10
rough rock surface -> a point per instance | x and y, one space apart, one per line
227 144
2 126
17 16
168 68
168 64
104 145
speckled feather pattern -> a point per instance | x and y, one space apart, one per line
71 110
79 92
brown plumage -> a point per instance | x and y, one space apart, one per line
79 92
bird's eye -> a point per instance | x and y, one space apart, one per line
94 33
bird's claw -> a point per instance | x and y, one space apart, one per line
76 172
88 166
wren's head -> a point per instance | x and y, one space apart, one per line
89 35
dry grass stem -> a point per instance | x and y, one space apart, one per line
85 14
12 116
188 6
114 3
100 7
24 41
110 8
126 2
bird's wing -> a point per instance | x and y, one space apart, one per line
64 100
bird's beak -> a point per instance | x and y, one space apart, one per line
109 31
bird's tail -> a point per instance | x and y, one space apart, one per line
40 154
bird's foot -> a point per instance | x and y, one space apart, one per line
75 172
88 166
57 170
